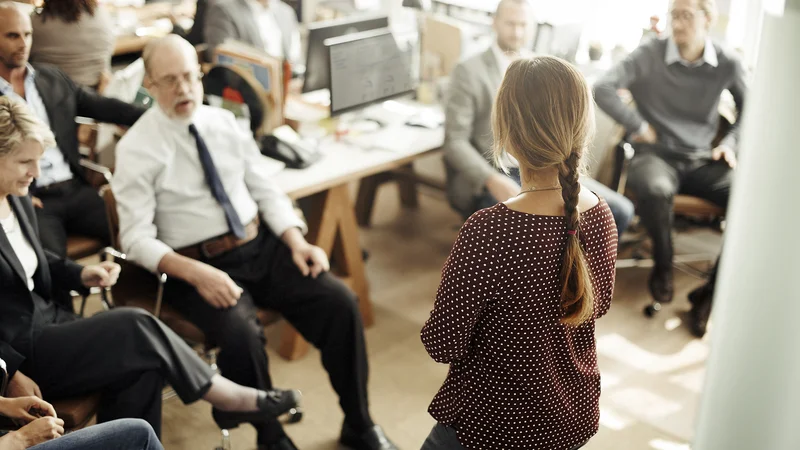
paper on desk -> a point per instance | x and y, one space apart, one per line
393 138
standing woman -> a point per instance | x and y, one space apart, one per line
77 36
526 279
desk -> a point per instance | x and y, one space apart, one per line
332 217
150 21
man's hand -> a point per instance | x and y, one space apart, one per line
26 409
21 386
37 202
502 187
648 136
38 431
215 286
101 275
725 153
310 259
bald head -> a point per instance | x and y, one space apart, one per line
173 75
165 50
16 36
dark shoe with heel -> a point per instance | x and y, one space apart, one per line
372 439
271 404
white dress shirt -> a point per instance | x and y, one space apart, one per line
271 33
23 248
163 200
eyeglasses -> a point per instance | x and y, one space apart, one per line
684 15
173 81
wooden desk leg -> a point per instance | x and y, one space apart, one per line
333 227
409 196
367 190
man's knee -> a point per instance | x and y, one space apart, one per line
654 189
341 301
237 327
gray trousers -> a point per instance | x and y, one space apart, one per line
443 437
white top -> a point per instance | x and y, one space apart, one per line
163 200
23 248
503 60
271 33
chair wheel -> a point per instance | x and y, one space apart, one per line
295 415
653 309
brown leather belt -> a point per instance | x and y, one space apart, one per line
222 244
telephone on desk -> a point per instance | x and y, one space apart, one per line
286 146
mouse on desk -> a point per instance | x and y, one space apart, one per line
293 155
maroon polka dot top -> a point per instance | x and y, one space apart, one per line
518 378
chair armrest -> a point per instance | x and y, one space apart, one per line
624 154
98 175
114 255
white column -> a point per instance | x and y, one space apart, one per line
751 399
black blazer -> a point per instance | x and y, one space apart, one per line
64 100
54 277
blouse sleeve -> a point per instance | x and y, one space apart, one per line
466 286
602 258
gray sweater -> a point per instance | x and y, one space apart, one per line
681 103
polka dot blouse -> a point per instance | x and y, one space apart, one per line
518 378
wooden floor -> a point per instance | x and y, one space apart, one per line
652 369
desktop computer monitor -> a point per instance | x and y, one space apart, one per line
370 67
316 73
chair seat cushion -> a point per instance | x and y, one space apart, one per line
79 247
77 412
687 205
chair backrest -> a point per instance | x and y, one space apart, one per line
111 215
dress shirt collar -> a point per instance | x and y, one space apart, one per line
7 89
674 55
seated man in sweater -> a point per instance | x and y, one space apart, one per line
676 83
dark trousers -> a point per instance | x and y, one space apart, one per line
126 354
323 310
443 437
75 209
656 179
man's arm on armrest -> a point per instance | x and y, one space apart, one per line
459 152
133 187
738 89
105 109
622 76
274 205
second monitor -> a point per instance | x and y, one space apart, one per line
316 74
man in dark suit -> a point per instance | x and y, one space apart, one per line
66 202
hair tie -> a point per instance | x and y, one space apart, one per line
572 232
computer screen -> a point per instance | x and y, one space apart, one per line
370 67
316 74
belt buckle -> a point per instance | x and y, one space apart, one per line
205 252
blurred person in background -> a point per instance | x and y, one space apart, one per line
77 36
676 83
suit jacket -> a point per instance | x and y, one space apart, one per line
54 277
64 100
468 128
234 19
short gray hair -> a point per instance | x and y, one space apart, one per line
19 124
